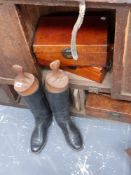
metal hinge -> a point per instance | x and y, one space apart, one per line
93 89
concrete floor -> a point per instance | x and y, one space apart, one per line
103 153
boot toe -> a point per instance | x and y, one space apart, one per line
38 144
38 141
74 139
39 136
36 148
76 143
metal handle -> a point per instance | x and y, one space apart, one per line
67 53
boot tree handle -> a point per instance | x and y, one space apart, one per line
19 70
54 66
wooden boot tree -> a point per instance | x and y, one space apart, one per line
56 81
25 83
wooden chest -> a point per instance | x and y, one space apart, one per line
53 36
102 106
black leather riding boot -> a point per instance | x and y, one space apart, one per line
59 103
38 104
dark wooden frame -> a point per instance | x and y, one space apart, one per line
121 80
14 98
22 17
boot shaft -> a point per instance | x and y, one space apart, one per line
59 104
38 104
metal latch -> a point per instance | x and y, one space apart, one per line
116 116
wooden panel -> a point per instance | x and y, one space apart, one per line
121 88
77 98
102 106
86 84
93 73
64 1
13 46
11 93
76 113
29 16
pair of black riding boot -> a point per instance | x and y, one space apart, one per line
46 105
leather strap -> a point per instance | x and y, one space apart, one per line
82 10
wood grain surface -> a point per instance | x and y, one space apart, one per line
84 83
93 73
53 35
121 81
102 106
47 2
13 46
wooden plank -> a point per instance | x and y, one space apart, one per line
65 4
14 48
91 86
10 92
76 99
82 99
49 2
102 106
76 113
86 84
13 105
9 97
29 16
121 81
6 80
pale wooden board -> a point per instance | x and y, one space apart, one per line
76 99
76 113
82 95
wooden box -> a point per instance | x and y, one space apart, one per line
93 73
53 36
102 106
